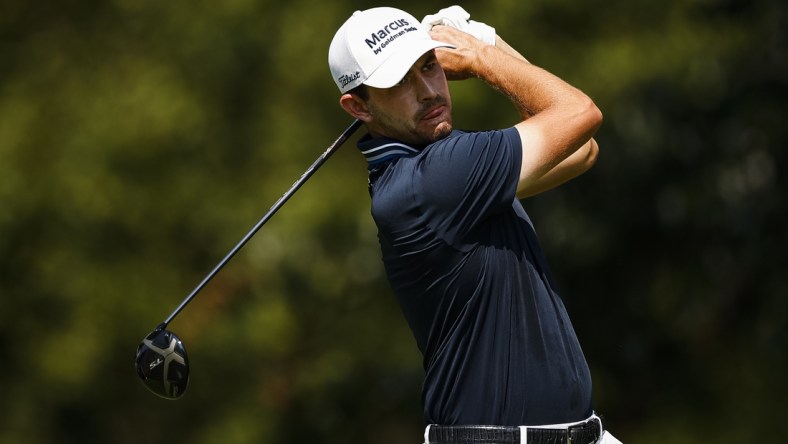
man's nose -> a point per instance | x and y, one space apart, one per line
425 89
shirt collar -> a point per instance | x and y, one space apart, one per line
382 149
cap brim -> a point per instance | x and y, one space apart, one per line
390 72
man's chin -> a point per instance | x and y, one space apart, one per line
441 131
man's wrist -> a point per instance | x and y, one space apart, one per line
485 63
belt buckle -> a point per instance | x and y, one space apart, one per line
569 439
581 426
569 429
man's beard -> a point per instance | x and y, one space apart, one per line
443 129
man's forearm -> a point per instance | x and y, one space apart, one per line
531 88
576 164
505 47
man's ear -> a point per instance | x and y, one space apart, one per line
356 107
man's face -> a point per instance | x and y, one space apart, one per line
417 110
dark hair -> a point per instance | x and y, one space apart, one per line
361 91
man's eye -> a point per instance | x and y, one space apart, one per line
430 66
402 82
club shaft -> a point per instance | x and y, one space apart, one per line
289 193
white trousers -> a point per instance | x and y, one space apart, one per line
607 438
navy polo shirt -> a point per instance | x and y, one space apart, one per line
464 261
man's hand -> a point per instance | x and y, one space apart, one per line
458 63
462 40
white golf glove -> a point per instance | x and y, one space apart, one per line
457 17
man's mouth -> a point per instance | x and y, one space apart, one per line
433 113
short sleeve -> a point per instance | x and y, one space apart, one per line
467 177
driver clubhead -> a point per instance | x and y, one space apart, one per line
162 364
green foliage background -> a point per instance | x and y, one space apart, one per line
139 140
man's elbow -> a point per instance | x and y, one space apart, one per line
591 116
592 119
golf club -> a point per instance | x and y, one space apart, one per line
161 361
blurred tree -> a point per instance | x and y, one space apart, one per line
139 140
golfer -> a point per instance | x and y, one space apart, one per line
502 361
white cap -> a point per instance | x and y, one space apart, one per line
377 47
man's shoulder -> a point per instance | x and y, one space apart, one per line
454 138
470 138
467 148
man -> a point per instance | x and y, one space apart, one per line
502 362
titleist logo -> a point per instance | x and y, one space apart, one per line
346 79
